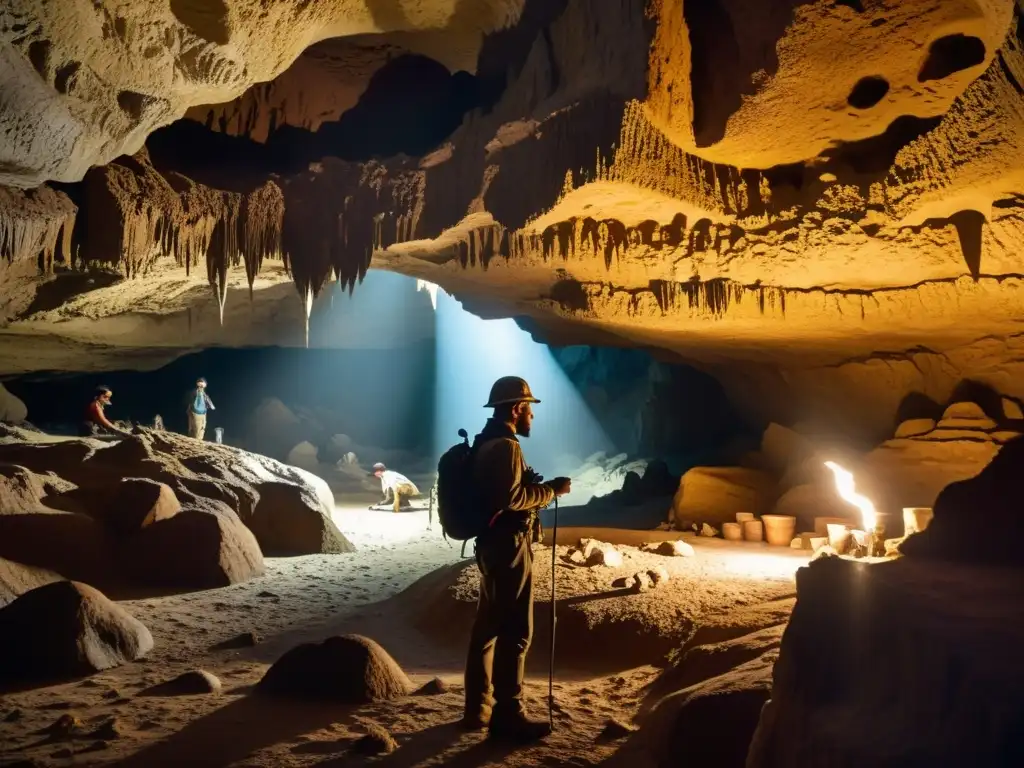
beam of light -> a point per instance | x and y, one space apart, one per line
472 353
845 488
431 289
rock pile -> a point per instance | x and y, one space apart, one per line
125 513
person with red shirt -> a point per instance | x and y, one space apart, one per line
96 423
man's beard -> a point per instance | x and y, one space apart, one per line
523 428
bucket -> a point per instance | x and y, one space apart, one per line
743 517
916 519
218 434
732 531
753 530
779 530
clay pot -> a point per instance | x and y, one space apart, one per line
732 531
753 530
779 530
916 519
821 524
743 517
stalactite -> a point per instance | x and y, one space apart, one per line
223 251
261 221
36 224
132 214
714 297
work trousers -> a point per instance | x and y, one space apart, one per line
503 629
402 494
196 425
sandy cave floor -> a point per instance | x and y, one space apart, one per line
309 598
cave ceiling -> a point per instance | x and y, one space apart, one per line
822 197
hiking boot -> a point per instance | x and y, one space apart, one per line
476 720
518 729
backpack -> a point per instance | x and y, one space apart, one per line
457 507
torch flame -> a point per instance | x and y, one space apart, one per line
431 289
845 488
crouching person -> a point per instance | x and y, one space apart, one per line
397 488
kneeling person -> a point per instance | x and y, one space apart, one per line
397 488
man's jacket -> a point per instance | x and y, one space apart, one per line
499 475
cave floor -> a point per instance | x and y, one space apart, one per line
306 599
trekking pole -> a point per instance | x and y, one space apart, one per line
554 618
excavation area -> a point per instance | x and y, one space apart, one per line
408 590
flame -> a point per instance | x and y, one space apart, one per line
845 488
430 288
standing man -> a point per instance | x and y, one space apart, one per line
511 497
198 405
397 488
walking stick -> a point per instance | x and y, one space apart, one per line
551 658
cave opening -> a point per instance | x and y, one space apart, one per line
401 382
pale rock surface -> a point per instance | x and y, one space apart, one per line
914 427
670 548
11 407
1012 409
600 553
716 494
303 455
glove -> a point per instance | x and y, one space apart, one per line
531 477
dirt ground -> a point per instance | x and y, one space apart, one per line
424 628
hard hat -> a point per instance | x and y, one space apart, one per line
378 467
510 389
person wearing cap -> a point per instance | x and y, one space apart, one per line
397 488
199 403
511 495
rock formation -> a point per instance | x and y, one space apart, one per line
783 208
121 515
896 664
67 629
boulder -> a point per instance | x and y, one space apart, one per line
20 490
291 520
712 722
875 686
303 455
17 579
911 472
137 503
782 447
67 629
348 669
193 683
74 545
915 427
199 548
978 520
600 553
12 409
964 410
716 494
673 548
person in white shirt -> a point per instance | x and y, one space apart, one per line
397 488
